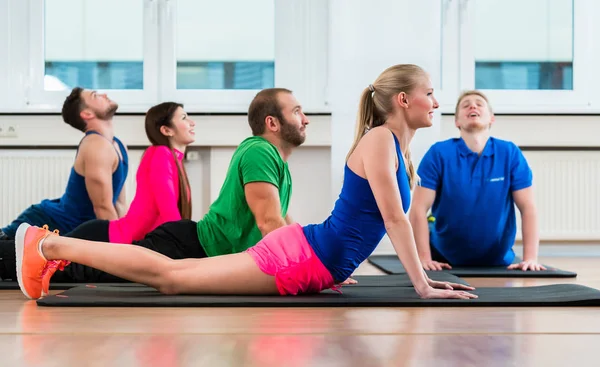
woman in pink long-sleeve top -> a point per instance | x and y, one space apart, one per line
163 190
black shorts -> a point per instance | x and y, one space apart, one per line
177 240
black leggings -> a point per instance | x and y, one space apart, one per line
177 240
92 230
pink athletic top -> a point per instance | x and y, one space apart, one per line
156 196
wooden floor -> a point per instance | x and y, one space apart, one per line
40 336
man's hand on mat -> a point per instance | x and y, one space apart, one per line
435 265
445 293
348 281
527 265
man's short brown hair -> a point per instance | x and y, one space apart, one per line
72 107
265 103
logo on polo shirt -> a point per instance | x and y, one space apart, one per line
497 179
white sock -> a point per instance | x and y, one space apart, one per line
40 248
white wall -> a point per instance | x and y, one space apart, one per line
382 44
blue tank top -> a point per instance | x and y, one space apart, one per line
75 206
355 227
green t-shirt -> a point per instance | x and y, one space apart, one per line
229 226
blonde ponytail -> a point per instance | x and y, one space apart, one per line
376 103
410 169
364 122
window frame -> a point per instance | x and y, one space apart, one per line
577 100
301 42
449 56
5 62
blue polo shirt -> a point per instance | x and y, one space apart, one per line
474 210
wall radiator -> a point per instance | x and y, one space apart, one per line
566 185
567 192
29 176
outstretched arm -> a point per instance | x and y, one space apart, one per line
263 200
260 171
99 157
164 184
421 203
525 201
380 170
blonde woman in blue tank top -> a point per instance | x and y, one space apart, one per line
293 259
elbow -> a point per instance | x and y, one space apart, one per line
413 215
104 211
416 215
396 221
266 225
528 210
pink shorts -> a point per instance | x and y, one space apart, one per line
286 254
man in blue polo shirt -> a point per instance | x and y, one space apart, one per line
471 184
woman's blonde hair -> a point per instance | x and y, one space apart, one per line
376 103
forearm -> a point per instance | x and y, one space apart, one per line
420 226
530 232
106 212
270 225
402 237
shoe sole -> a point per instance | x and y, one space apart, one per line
19 248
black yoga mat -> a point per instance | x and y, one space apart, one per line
541 296
391 265
398 280
13 285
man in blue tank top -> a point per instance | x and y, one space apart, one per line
471 184
95 187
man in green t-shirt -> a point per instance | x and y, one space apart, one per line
253 200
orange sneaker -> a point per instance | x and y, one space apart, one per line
31 263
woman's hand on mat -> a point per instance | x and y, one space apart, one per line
348 281
527 265
448 285
434 265
445 293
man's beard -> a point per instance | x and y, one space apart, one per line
291 134
475 127
108 113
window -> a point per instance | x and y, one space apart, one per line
225 49
81 50
219 58
104 45
534 52
213 56
528 57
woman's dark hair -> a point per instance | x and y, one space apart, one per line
156 117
